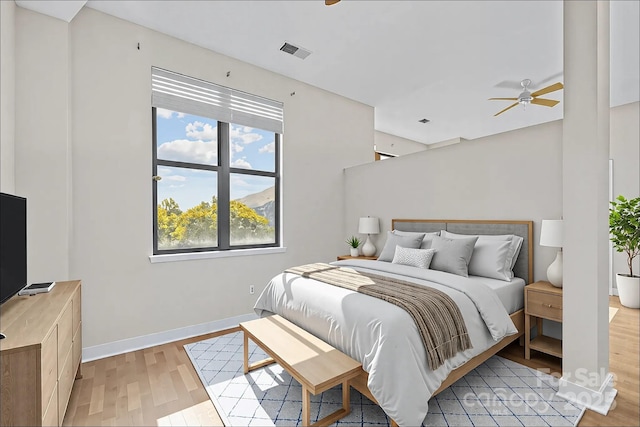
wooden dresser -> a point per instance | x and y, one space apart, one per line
40 356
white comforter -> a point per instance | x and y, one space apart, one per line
383 336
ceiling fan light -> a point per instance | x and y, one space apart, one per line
525 98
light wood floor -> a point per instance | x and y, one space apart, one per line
624 354
158 385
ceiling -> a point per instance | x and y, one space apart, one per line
410 60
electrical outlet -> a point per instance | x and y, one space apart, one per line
251 289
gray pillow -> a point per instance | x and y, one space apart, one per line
426 240
452 255
394 240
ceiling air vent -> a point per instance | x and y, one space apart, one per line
296 51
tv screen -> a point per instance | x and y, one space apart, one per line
13 245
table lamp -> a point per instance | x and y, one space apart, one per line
368 225
551 234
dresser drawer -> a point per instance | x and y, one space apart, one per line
77 310
50 417
77 347
49 372
545 305
65 335
65 383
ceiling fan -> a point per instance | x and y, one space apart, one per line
527 97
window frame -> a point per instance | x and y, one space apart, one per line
224 171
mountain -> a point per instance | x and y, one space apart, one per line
259 199
263 203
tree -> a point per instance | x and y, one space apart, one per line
247 226
198 226
168 214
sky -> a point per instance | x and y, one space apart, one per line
189 138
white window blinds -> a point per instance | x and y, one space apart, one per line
176 92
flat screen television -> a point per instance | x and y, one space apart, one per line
13 245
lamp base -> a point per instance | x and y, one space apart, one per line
554 272
368 249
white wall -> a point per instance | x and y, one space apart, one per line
126 296
391 144
42 170
7 100
625 152
513 175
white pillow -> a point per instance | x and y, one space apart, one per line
420 258
489 259
512 255
426 241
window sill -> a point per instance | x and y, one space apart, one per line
208 255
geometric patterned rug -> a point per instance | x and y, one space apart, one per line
497 393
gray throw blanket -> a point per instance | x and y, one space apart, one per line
435 314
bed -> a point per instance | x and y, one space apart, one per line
384 338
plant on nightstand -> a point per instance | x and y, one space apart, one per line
353 242
624 226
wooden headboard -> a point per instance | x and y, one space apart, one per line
524 264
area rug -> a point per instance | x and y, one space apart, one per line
497 393
612 312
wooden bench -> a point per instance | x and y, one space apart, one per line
313 363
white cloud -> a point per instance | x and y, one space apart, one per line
203 131
236 181
178 178
269 148
243 135
241 163
236 148
167 114
176 186
183 150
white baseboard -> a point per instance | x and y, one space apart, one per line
132 344
599 401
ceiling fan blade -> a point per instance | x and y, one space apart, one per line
330 2
545 102
503 99
510 106
552 88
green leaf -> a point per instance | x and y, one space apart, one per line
624 227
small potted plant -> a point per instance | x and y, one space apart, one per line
624 226
353 243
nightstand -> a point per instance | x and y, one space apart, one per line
341 257
542 300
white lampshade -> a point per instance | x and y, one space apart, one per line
369 225
551 233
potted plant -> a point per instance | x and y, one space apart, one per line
624 226
353 242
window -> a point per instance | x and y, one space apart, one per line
216 167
